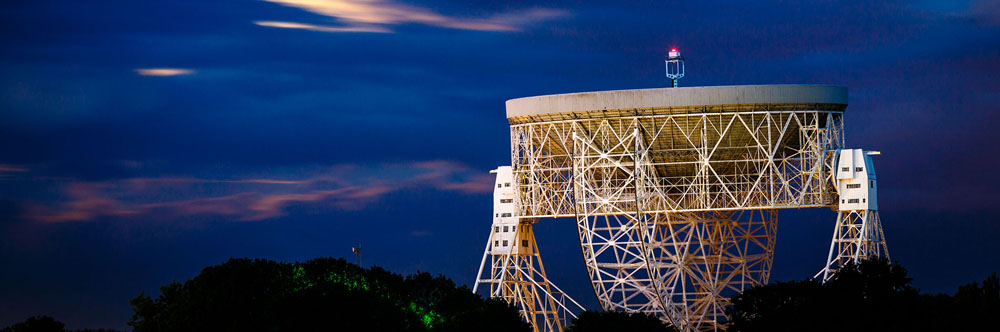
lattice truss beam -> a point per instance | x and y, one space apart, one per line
746 160
856 235
676 212
519 278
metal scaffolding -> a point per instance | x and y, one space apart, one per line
519 278
676 207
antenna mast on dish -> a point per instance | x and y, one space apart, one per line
675 66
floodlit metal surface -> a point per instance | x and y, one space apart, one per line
516 273
675 191
858 231
671 100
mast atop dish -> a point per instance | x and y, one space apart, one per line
675 66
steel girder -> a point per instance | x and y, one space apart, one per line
676 212
520 279
856 235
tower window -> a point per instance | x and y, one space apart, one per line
507 200
504 243
506 184
498 185
858 169
524 243
854 186
853 200
496 243
505 229
845 169
505 215
496 229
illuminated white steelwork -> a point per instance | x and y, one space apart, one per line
516 273
858 231
675 191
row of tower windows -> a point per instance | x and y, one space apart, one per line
524 243
507 200
848 169
854 200
496 229
506 184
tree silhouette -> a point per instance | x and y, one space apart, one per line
618 321
872 295
45 324
37 324
320 294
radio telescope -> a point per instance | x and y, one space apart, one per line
675 193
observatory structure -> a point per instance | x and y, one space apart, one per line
675 193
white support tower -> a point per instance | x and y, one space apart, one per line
516 273
858 232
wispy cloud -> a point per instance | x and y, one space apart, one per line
986 12
378 15
345 187
7 170
164 71
321 28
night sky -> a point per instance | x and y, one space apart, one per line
143 140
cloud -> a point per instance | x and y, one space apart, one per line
376 15
164 71
343 187
5 170
986 12
321 28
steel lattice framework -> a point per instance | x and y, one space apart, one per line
857 234
676 198
520 279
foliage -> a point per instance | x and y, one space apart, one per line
45 324
873 295
37 324
618 321
319 294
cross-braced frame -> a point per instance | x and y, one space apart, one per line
519 278
856 235
675 210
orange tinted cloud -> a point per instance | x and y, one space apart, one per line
164 71
320 28
344 187
376 15
7 170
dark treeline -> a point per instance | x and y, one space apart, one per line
323 294
873 295
45 324
617 321
327 294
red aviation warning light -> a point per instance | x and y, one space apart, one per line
675 66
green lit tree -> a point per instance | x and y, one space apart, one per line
317 295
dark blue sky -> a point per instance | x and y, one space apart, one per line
292 129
